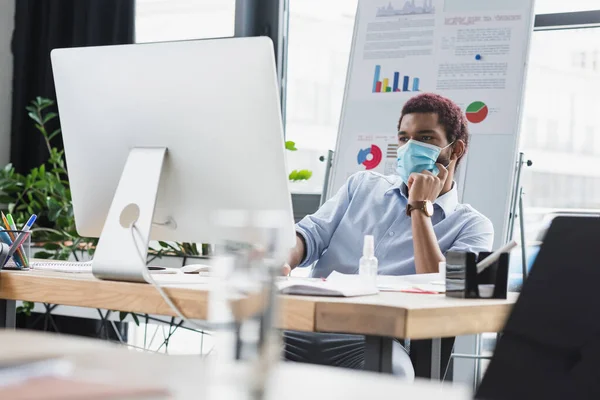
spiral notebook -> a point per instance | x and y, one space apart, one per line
62 266
336 285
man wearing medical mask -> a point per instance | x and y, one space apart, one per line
414 216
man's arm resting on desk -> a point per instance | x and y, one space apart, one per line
314 232
297 255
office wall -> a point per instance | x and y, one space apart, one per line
7 11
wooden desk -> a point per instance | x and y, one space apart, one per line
381 318
186 376
412 316
83 290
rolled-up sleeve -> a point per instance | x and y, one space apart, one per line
318 228
476 235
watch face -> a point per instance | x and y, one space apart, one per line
428 208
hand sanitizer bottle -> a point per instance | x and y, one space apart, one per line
367 268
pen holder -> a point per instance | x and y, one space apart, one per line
21 255
463 281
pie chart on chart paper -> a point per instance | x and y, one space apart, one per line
369 157
477 112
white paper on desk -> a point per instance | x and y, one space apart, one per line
426 282
18 372
336 285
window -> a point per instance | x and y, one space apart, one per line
169 20
590 140
562 6
530 132
563 97
553 138
320 36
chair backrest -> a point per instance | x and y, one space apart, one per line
550 346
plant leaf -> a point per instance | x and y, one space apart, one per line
48 117
34 117
52 246
291 146
53 134
54 209
44 255
301 175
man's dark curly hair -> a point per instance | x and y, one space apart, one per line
450 116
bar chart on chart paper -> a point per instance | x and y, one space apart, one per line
395 83
409 7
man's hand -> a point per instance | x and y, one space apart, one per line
297 254
426 186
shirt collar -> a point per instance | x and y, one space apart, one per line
447 202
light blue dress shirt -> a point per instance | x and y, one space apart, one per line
374 204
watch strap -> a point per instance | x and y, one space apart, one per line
418 205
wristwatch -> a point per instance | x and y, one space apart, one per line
425 206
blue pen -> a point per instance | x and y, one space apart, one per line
29 223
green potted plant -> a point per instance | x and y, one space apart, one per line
297 175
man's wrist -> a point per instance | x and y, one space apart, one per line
421 207
419 215
299 253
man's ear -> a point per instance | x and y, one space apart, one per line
458 149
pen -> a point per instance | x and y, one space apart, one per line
29 223
17 243
492 258
11 222
12 238
26 228
13 227
6 239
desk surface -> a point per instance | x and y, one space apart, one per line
182 375
412 316
84 290
393 314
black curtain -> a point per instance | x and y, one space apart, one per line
43 25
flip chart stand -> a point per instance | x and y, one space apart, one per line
463 281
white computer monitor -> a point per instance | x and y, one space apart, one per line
167 135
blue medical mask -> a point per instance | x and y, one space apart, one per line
415 156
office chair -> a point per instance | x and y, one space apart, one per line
550 346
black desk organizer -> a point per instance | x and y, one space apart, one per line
462 280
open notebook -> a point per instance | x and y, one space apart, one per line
62 266
336 285
85 267
343 285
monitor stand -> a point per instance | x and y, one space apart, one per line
117 256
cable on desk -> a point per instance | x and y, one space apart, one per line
133 228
